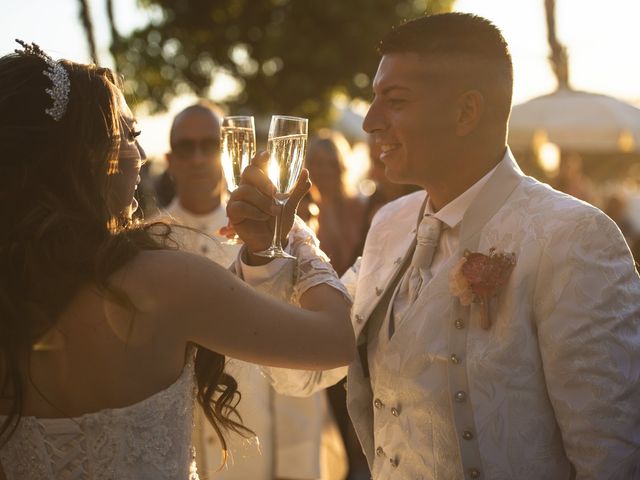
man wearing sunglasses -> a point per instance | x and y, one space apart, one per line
194 165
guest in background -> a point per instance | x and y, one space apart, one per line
341 213
572 180
296 437
616 206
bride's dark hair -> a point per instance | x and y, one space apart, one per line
58 232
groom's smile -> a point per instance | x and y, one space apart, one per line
388 149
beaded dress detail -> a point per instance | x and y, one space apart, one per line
148 440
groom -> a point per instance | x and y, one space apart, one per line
539 377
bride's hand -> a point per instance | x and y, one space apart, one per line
252 210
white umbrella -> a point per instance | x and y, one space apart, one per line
573 120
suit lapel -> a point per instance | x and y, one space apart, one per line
489 200
383 262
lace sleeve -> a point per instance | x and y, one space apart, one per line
289 280
313 266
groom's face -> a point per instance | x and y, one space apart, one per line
412 117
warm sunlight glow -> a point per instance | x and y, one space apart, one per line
626 142
549 157
273 171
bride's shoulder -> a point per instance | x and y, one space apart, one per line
167 262
163 277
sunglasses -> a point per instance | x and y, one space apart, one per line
187 148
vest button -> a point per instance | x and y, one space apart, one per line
467 435
359 319
455 359
459 324
460 396
474 473
394 462
395 412
379 451
378 403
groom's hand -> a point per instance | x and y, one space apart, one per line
252 210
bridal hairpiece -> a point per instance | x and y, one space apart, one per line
55 71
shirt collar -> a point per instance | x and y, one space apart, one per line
453 212
215 217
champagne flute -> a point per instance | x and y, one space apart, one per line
287 148
238 146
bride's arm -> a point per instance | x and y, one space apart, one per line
194 300
285 281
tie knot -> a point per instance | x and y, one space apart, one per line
427 239
428 230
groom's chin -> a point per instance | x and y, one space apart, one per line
394 176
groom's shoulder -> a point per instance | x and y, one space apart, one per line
400 208
559 208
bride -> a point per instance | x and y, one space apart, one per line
108 333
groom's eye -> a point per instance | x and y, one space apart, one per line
396 102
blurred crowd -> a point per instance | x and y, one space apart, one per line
618 199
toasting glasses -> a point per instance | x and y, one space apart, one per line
287 148
238 145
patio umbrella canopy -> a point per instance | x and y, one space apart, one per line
578 121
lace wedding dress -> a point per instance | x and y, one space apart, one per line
150 440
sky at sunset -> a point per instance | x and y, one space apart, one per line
602 42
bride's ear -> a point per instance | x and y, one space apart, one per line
470 108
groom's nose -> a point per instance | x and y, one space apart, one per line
374 120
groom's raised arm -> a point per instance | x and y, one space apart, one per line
587 311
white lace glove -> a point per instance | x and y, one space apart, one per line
290 279
313 266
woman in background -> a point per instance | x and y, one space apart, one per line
341 213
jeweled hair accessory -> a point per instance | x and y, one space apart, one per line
55 71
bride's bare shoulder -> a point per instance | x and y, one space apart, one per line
167 263
166 276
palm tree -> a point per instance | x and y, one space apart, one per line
559 58
87 24
115 35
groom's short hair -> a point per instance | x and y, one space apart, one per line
473 41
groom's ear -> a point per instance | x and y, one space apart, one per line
471 107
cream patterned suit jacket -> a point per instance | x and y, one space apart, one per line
552 389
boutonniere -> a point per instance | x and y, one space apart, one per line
478 277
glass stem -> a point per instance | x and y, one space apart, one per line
276 243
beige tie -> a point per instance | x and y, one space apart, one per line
419 273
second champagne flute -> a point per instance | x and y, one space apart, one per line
238 145
287 148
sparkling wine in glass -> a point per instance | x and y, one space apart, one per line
287 147
238 146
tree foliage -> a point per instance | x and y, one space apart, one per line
289 56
